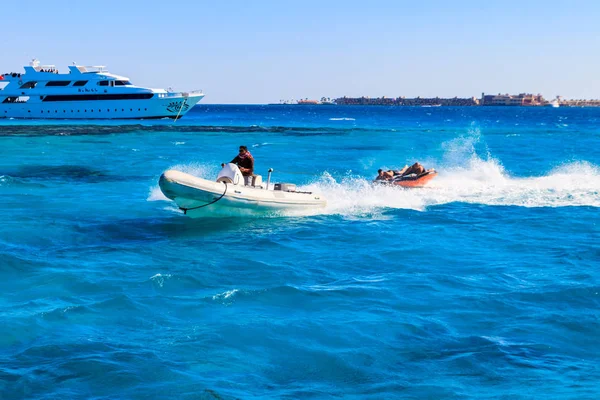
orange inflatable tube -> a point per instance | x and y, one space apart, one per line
415 182
411 181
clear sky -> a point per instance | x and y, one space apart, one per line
263 51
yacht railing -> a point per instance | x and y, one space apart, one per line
170 94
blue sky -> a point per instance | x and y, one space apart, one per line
265 51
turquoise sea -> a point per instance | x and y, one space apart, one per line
484 285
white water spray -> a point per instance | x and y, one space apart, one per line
463 177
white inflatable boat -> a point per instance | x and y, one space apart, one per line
233 194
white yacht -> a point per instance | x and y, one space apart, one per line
86 93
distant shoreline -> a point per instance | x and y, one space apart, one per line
486 100
579 104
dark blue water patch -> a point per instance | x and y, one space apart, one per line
74 172
76 130
18 265
77 366
69 129
78 173
168 226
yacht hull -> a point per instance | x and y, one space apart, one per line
156 107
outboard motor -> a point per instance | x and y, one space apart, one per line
230 173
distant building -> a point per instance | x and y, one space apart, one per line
522 99
308 102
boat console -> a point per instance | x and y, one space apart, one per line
230 173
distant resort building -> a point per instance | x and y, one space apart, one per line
403 101
522 99
308 102
527 99
519 100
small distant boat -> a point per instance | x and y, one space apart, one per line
233 194
411 181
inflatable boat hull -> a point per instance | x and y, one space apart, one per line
199 197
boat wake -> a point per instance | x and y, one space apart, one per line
463 177
481 182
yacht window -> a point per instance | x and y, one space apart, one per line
16 99
58 83
80 83
84 97
122 83
28 85
103 83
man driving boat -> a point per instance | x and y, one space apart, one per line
244 161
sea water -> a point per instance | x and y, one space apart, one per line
485 284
